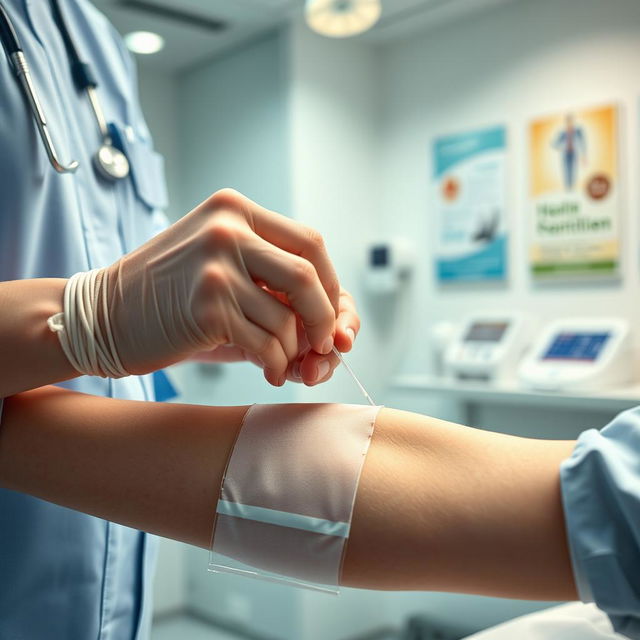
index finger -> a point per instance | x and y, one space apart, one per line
298 279
296 238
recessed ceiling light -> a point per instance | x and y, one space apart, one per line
145 42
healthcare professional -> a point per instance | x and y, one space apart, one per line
81 186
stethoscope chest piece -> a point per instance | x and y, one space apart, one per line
111 163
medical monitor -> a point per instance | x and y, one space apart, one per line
576 346
486 332
580 354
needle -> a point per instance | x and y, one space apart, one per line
355 378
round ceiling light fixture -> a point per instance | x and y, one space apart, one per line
342 18
144 42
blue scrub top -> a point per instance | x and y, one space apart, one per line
601 498
65 575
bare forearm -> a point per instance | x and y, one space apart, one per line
155 467
30 354
451 508
439 507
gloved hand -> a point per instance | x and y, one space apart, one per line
209 280
309 367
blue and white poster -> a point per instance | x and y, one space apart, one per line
469 206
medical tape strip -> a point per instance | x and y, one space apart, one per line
287 498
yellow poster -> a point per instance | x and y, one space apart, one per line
574 194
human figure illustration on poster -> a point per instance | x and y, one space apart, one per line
572 145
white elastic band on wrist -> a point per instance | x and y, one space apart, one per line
286 502
88 349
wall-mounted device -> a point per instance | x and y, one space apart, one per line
389 262
580 354
488 347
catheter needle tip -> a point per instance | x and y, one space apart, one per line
355 378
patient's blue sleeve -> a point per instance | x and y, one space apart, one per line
601 498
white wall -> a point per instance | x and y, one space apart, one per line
234 125
507 66
504 66
158 96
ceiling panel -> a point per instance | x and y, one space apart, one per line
188 44
401 18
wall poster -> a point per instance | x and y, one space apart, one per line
469 206
574 195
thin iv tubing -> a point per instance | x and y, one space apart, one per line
355 378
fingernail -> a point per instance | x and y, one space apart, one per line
351 333
282 380
327 345
295 370
323 370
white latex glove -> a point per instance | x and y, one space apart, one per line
309 367
208 280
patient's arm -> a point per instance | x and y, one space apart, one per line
451 508
439 507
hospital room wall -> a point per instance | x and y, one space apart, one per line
158 96
506 66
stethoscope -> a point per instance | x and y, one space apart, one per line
109 161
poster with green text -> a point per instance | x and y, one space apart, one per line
574 195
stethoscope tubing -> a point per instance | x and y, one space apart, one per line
8 34
115 166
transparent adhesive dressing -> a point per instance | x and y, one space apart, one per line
286 501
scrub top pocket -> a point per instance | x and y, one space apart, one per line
147 167
143 196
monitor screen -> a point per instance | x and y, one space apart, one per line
576 346
486 331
